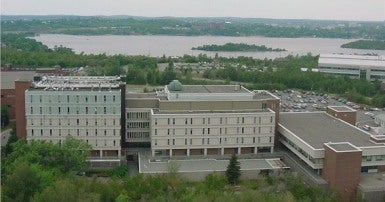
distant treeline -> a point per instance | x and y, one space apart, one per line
77 25
365 44
232 47
278 74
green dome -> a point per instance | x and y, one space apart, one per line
175 85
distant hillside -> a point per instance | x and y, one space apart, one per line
188 26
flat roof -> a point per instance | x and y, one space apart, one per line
342 147
317 128
8 78
342 109
212 89
202 165
351 60
157 111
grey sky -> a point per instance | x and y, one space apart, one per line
293 9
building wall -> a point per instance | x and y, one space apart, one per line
20 88
93 116
212 133
349 117
342 171
8 99
209 105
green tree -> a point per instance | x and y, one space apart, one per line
4 115
233 171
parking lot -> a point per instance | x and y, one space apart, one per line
303 101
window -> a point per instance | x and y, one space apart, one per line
49 110
191 121
243 119
243 130
78 132
50 132
270 139
50 122
41 110
208 120
204 121
68 110
86 132
32 132
185 121
40 98
86 98
168 141
156 121
220 140
208 131
208 140
253 139
168 121
173 131
156 131
96 98
77 98
68 98
203 131
168 131
271 119
86 110
41 132
59 110
185 141
77 121
190 141
31 110
104 98
173 121
115 142
173 141
96 132
105 132
221 120
113 98
203 141
30 98
105 110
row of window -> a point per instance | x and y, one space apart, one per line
220 120
208 131
138 115
374 158
72 98
95 143
206 141
138 125
78 122
138 135
74 110
73 132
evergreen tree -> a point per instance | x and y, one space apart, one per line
233 171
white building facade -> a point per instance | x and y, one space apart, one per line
86 108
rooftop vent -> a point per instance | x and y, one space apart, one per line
175 85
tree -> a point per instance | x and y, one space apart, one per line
4 115
233 171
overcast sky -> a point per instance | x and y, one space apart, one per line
291 9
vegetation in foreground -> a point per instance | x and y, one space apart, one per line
232 47
42 171
365 44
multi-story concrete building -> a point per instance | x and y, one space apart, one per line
332 146
87 108
202 120
354 66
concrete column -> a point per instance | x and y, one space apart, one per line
101 153
188 152
119 153
239 150
222 151
170 152
153 152
368 74
271 149
255 150
205 151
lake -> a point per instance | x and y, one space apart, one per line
155 45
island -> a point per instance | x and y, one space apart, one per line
365 44
239 47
